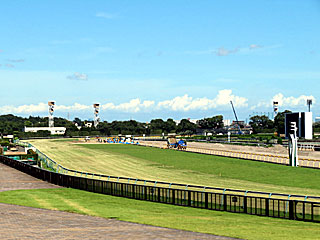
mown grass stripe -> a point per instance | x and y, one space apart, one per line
182 167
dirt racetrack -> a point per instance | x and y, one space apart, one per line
278 150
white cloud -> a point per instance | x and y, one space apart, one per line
78 76
180 103
285 101
254 46
134 105
292 101
41 107
74 107
225 52
225 96
186 103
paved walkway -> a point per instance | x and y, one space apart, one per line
12 179
18 222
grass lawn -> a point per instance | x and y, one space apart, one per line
181 167
198 220
229 168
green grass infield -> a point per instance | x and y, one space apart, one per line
156 214
181 167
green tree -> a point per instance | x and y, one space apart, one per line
211 123
279 122
261 124
104 128
185 126
316 127
28 124
157 126
170 125
78 121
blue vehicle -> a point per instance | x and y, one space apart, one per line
173 143
182 145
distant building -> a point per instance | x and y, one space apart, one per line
88 124
240 123
317 119
226 122
9 138
245 129
52 130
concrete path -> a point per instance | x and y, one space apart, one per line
12 179
18 222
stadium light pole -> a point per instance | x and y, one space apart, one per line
275 108
309 103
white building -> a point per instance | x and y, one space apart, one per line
317 119
53 130
88 124
226 122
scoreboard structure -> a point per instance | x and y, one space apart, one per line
303 122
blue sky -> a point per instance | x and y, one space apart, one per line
149 59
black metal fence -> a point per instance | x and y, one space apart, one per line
279 208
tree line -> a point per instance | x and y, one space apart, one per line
263 124
10 124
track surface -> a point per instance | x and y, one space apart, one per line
276 154
18 222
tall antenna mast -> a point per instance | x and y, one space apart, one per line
51 110
96 107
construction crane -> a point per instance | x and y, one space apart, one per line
237 121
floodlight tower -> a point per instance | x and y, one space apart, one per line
309 103
275 108
96 107
51 110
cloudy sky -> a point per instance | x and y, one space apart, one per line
149 59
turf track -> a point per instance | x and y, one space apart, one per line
180 167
